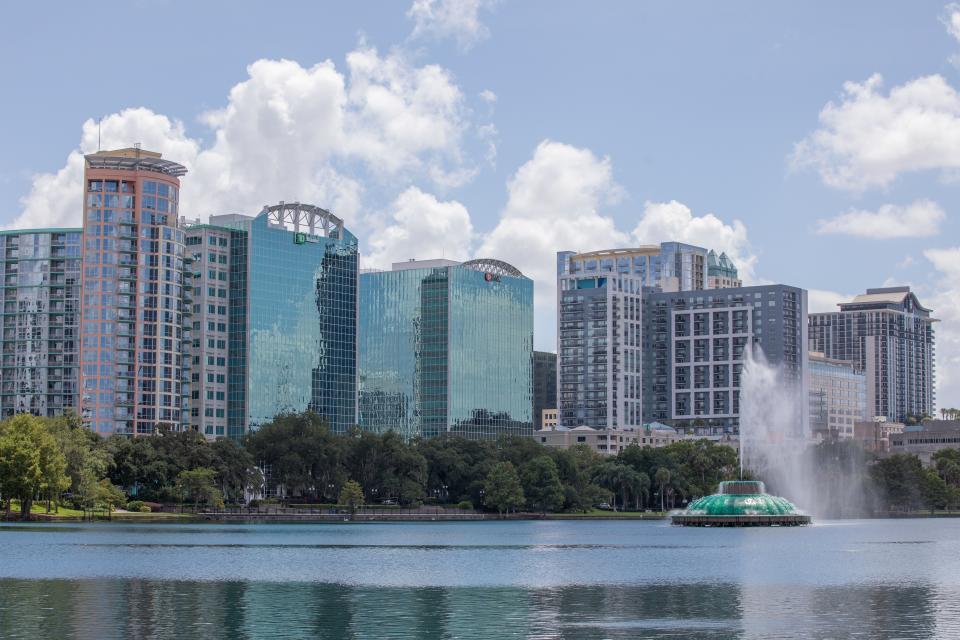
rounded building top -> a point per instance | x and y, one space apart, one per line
491 265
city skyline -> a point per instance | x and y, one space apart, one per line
790 194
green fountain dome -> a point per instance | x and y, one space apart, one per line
741 503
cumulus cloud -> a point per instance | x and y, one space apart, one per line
946 307
421 227
951 20
553 203
919 219
868 138
458 20
488 96
674 221
823 301
291 132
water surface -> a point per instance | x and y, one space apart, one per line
551 579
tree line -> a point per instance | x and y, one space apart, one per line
297 459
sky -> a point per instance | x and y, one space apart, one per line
817 143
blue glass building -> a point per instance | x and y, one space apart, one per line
290 319
446 348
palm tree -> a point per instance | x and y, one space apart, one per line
662 478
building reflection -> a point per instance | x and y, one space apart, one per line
142 609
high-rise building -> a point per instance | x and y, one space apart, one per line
838 397
888 335
41 317
132 372
446 348
721 272
544 385
275 319
696 344
599 343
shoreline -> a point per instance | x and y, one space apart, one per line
314 518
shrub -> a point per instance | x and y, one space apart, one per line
136 505
145 508
465 505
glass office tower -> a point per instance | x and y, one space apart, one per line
274 319
41 317
446 348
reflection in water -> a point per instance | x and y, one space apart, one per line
123 608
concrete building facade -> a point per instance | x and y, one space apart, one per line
696 344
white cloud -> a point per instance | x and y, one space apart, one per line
289 132
946 307
919 219
673 221
869 138
951 20
553 204
421 227
823 301
455 19
488 96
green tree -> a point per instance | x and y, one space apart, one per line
502 488
898 481
351 496
662 478
934 491
31 463
109 496
541 484
199 486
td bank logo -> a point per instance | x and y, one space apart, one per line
299 238
491 277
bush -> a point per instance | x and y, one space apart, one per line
466 505
145 508
137 505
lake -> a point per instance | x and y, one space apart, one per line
516 579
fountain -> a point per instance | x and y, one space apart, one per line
741 503
773 441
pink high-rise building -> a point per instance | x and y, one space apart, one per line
132 369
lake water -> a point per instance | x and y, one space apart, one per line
550 579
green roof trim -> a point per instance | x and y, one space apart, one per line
10 232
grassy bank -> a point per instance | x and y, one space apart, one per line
601 514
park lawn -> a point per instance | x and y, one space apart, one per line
155 515
603 513
40 509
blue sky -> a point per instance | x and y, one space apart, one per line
521 128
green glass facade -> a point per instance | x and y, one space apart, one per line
301 298
446 350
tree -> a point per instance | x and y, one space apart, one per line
199 485
662 478
351 496
502 488
934 490
109 495
31 463
541 484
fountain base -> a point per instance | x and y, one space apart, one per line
741 503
